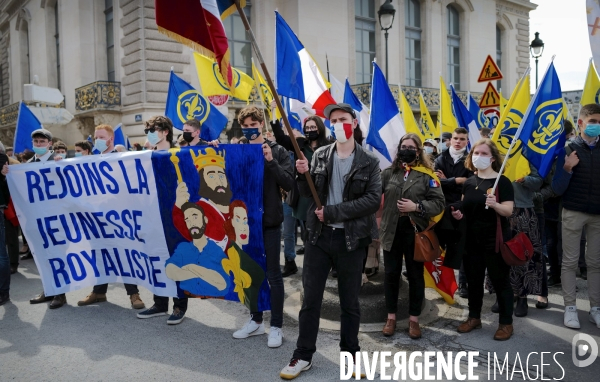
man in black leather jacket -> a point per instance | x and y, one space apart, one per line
348 183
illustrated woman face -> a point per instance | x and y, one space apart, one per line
239 222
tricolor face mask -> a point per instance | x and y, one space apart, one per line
343 131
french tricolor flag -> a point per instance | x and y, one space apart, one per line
298 75
465 119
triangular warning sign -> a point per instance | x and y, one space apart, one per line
490 71
490 97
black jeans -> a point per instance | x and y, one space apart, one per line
542 227
554 247
481 254
404 244
330 248
4 261
130 288
12 242
162 303
272 242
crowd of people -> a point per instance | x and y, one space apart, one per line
361 209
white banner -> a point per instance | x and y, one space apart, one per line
593 18
93 220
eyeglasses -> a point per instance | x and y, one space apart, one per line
411 148
310 128
151 129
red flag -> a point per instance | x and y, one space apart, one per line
441 279
197 24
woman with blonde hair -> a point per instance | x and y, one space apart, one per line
481 209
412 197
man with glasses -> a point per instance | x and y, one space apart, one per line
348 183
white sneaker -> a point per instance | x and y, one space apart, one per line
595 316
365 279
250 329
294 368
275 337
571 318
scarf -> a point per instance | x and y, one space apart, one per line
456 154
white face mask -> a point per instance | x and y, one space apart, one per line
428 149
481 163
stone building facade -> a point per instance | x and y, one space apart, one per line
112 65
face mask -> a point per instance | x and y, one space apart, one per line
100 145
251 133
153 138
592 130
312 135
428 150
343 131
442 147
481 163
39 151
78 154
407 156
187 136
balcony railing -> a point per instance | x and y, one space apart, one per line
98 95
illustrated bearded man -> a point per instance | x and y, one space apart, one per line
215 192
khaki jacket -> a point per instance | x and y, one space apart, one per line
416 188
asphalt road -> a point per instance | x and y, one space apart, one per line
106 342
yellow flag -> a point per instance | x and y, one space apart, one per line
265 93
427 125
410 124
212 82
448 121
503 102
517 166
591 87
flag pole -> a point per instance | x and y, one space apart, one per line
286 122
328 79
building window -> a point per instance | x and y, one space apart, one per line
110 39
364 33
24 51
57 41
239 41
453 47
413 42
499 52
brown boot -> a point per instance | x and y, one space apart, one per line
503 333
390 327
136 301
92 298
469 325
58 301
414 331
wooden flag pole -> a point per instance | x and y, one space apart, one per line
286 122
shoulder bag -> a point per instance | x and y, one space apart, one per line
427 246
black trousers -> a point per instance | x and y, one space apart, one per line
12 242
403 245
480 255
130 288
554 247
162 303
330 247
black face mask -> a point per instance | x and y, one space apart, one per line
187 136
312 135
407 156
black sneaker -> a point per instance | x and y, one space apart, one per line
584 273
553 282
152 312
463 291
4 298
176 317
289 268
300 251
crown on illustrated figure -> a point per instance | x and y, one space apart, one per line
210 158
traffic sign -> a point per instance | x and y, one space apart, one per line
490 98
490 71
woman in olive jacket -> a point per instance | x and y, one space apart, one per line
412 194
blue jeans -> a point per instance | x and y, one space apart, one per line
330 247
289 233
272 240
4 261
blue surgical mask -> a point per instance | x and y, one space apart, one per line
251 133
100 145
592 130
39 151
153 138
77 154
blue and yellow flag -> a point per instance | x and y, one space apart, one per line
427 125
184 102
446 120
591 89
265 92
542 131
212 82
410 124
517 166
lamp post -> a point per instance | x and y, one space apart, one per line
386 19
537 48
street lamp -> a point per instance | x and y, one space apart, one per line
386 19
537 48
